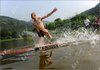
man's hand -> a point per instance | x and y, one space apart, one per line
55 9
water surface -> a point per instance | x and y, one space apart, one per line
82 53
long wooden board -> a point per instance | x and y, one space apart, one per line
32 48
50 46
47 47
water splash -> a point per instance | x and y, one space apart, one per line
79 35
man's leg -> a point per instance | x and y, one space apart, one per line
40 39
47 34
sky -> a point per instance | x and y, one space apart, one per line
22 9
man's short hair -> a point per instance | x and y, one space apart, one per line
32 14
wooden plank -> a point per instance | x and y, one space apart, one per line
33 48
47 47
16 51
50 46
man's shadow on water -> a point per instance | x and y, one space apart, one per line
45 59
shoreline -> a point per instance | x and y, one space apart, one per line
11 39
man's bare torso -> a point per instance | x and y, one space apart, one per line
38 24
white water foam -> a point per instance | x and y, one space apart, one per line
79 35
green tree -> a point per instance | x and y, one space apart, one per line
58 22
51 25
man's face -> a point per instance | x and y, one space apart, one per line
33 15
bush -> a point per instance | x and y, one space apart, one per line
51 26
8 37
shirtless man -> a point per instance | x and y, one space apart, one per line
39 26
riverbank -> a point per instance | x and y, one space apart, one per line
5 40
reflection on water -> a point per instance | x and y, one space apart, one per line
45 59
15 44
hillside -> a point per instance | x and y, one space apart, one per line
93 11
12 27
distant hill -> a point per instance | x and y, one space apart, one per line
13 27
93 11
13 24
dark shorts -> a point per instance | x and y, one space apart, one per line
41 33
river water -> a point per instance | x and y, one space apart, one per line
82 53
7 45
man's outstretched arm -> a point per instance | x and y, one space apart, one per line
49 14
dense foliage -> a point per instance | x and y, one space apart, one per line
72 23
12 28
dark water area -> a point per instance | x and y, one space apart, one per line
15 44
